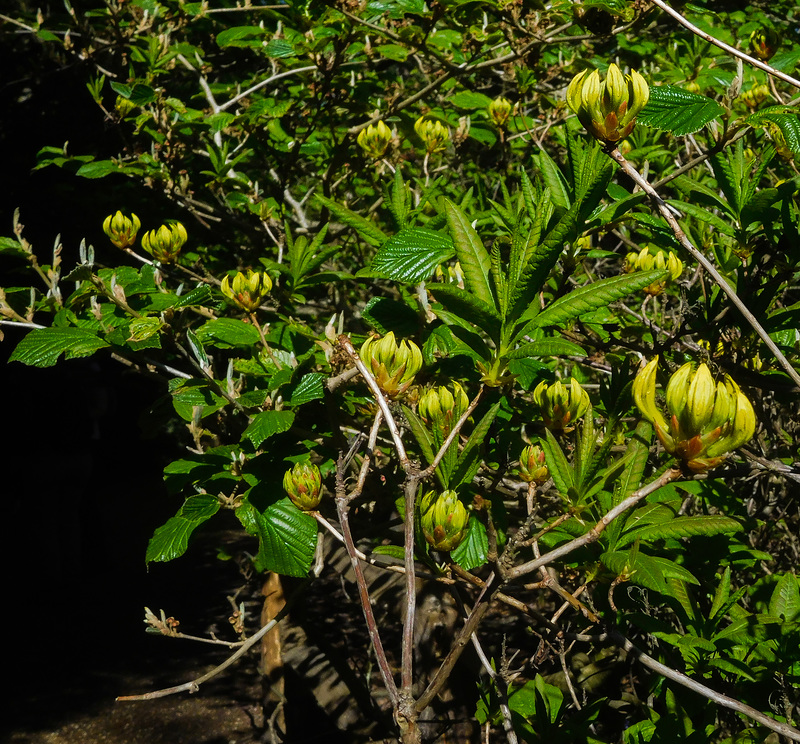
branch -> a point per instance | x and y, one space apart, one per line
663 207
722 45
593 534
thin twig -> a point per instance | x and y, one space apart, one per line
666 213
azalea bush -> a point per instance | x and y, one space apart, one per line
497 300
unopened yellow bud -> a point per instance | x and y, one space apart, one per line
500 110
608 108
764 42
121 230
393 365
532 467
444 520
647 261
247 291
443 408
706 420
561 405
303 484
375 139
165 243
433 133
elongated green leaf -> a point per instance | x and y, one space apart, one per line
470 456
43 346
713 524
471 253
367 229
557 464
423 437
596 295
413 254
472 552
722 593
554 180
228 332
171 539
785 599
287 537
468 307
648 571
547 347
635 461
785 119
678 111
704 215
267 424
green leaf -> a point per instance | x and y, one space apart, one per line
547 347
472 552
635 461
785 600
366 229
412 255
468 100
703 214
557 464
593 296
471 253
267 424
98 169
287 537
468 307
554 180
785 119
470 456
674 529
278 49
43 346
384 315
242 36
678 111
311 387
392 51
227 332
171 539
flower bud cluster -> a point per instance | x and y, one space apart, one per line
247 291
433 133
444 520
608 108
644 260
706 420
165 243
754 97
375 139
532 467
442 407
764 42
393 365
303 484
499 111
122 230
561 405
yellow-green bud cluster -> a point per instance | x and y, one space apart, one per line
644 260
122 230
706 420
608 108
433 133
247 291
165 243
532 467
764 42
499 111
449 274
375 139
444 520
303 483
561 405
393 365
442 407
754 97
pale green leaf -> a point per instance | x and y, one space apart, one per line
267 424
678 111
412 255
471 253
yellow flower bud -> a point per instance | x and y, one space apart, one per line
646 261
561 406
303 483
247 291
532 467
393 365
165 243
374 140
764 42
706 419
433 133
608 108
444 520
121 230
499 110
443 408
